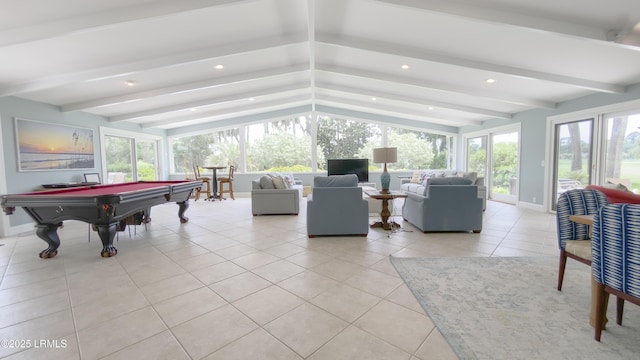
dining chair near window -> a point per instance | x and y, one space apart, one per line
206 181
227 180
615 246
573 237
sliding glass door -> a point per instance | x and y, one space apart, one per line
603 149
503 182
495 156
127 158
119 159
146 160
573 151
622 154
477 155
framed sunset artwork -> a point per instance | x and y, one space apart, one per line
47 146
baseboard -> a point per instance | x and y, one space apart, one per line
532 206
20 229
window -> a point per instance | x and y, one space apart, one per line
283 145
419 150
286 146
215 148
189 151
225 149
346 139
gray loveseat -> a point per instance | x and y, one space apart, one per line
446 204
336 207
266 199
417 183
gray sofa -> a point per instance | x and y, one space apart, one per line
336 207
266 199
446 204
417 183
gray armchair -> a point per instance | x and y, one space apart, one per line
454 207
267 200
336 207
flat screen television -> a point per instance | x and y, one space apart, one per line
360 167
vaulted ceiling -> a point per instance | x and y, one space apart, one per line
172 63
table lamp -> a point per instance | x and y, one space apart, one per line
385 155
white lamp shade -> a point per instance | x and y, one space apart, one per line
385 155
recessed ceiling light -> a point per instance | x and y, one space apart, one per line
405 67
491 81
252 99
219 66
430 108
373 99
130 82
193 109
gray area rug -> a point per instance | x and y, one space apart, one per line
509 308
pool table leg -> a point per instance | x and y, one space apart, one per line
49 233
107 233
183 206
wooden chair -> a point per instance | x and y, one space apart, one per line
206 181
227 180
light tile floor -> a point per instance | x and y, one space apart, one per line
228 285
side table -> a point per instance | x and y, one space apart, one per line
385 213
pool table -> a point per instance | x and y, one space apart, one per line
103 206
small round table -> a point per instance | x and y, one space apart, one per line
214 185
385 213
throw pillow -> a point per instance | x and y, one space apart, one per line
266 182
415 179
615 186
472 175
288 177
278 182
423 178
